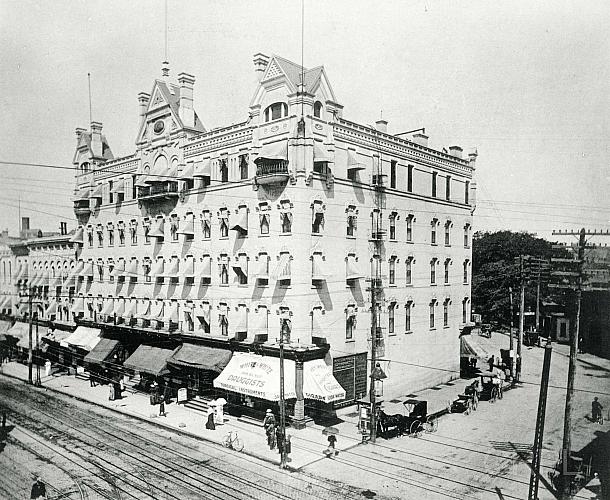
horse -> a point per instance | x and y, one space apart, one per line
397 420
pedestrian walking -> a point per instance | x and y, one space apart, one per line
596 411
210 424
332 441
269 425
162 406
111 391
39 490
280 439
491 362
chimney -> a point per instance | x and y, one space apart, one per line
382 126
25 224
186 111
421 139
96 139
4 234
260 65
143 99
472 158
455 151
79 132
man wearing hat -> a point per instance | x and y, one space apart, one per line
39 490
269 425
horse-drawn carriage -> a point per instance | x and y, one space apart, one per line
490 386
413 423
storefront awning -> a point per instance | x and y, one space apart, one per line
131 309
274 151
241 223
148 359
81 195
352 161
352 271
257 376
104 349
157 230
319 153
20 331
470 348
57 336
83 337
319 382
282 270
119 187
187 172
202 357
203 168
188 227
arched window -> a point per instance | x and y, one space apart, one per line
317 109
276 111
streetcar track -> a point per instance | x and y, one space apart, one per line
106 445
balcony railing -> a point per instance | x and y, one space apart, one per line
81 207
167 189
271 171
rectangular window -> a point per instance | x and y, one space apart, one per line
286 222
409 274
243 167
393 226
433 232
351 225
110 193
110 236
432 305
121 231
466 235
448 188
207 225
433 272
410 178
224 223
264 223
393 174
317 222
224 171
224 271
465 272
464 310
392 266
447 234
146 269
110 269
408 317
391 310
466 192
133 230
410 228
447 263
174 226
446 313
90 236
434 176
350 324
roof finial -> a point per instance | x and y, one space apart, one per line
165 69
165 65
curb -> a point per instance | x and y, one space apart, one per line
150 421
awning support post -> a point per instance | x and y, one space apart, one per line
298 421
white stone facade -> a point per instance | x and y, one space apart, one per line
272 218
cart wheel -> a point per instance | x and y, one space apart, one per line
415 429
431 424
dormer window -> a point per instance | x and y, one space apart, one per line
276 111
317 109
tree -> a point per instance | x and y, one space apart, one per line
495 268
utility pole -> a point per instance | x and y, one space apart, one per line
283 332
37 378
511 336
572 280
538 300
30 356
538 438
521 317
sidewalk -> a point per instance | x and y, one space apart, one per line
308 444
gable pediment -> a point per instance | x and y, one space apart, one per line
157 100
273 70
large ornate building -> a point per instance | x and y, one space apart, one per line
219 236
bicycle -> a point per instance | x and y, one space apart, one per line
232 440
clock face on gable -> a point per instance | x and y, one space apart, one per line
159 126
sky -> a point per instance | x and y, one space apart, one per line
525 83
